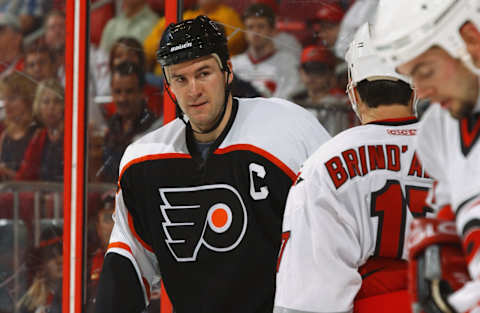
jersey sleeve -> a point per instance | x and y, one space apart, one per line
125 242
433 156
318 262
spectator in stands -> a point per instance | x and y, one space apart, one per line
39 63
98 66
130 49
136 19
11 45
10 292
103 228
32 12
132 117
44 156
322 97
17 92
283 40
216 11
273 73
45 261
325 24
54 38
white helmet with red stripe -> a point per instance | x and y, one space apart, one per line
364 63
404 29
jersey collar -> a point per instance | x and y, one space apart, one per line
191 145
396 121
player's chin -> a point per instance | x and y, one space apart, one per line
461 110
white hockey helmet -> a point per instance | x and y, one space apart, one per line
404 29
364 63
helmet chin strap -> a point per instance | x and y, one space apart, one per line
219 118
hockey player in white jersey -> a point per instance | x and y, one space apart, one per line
440 49
348 213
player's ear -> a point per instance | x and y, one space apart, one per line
230 67
471 36
358 99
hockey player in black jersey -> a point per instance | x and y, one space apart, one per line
200 200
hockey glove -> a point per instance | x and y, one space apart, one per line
437 266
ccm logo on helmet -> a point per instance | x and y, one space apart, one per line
181 46
209 216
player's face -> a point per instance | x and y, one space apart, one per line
259 32
199 86
441 78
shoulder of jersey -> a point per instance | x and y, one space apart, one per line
280 127
352 138
261 121
169 138
435 114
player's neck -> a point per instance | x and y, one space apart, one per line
214 134
384 112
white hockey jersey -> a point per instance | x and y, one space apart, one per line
450 150
354 199
274 76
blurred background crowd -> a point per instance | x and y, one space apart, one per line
292 49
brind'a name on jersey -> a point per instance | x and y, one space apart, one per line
365 159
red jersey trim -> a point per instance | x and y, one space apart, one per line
396 121
401 119
132 229
263 153
120 245
469 138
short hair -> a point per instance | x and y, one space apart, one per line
384 92
130 43
260 10
18 83
50 84
128 68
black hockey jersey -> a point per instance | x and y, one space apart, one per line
212 228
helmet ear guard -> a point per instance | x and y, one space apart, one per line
431 23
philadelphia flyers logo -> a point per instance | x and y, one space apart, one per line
211 217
